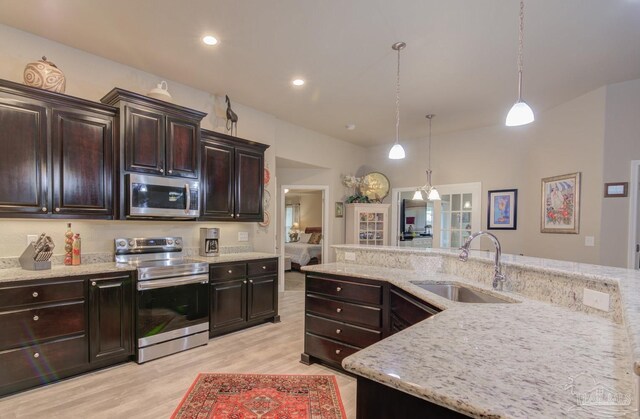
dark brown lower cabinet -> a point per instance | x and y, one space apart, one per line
375 400
110 319
243 295
406 310
56 328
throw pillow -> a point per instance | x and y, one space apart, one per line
315 238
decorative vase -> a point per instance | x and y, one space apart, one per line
161 91
45 75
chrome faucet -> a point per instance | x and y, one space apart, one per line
498 277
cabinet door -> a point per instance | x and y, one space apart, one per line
144 140
263 297
249 184
406 310
110 318
82 150
23 157
217 182
183 140
228 304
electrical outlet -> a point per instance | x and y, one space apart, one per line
595 299
31 238
243 236
589 241
351 256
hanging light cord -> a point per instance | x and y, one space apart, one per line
520 59
398 100
429 161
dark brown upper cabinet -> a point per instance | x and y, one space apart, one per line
56 154
156 137
232 178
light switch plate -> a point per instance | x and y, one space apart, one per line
31 238
595 299
243 236
351 256
589 241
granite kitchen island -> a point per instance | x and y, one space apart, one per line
544 354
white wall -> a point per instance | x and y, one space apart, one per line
565 139
621 145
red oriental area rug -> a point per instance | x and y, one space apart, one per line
259 396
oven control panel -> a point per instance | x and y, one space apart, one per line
146 245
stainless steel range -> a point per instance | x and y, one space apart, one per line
172 302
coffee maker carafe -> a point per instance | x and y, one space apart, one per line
209 241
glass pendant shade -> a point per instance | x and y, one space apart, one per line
396 152
520 114
417 196
433 195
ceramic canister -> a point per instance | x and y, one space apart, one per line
44 75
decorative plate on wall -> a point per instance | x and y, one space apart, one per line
267 176
377 186
266 220
266 199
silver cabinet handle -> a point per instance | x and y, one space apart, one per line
161 170
186 185
338 351
237 215
230 271
251 281
36 318
36 355
338 289
57 209
35 294
94 283
44 209
338 331
170 171
264 267
338 310
244 282
232 215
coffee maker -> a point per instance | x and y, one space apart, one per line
209 241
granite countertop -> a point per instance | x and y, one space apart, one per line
526 359
19 274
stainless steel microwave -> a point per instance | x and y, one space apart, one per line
162 197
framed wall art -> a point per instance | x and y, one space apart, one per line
502 210
560 211
339 209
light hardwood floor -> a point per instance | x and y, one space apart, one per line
154 389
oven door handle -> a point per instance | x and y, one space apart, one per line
172 282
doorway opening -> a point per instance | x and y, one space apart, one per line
633 260
304 233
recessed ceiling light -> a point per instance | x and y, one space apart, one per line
210 40
350 127
298 82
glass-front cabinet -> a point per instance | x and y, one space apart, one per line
455 219
367 224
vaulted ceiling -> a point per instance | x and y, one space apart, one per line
460 60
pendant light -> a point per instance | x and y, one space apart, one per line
428 189
397 152
520 113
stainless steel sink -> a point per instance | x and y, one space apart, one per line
460 293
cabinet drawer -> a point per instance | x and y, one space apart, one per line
345 312
363 293
27 326
327 349
228 271
262 267
46 361
343 332
41 293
